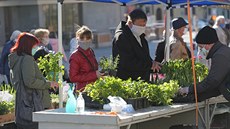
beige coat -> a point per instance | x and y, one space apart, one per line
177 49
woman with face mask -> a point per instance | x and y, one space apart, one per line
83 64
178 48
44 47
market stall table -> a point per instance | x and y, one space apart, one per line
58 119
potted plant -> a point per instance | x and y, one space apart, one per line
50 67
7 104
108 65
181 70
134 92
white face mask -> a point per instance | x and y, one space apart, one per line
185 30
84 44
139 30
204 51
45 41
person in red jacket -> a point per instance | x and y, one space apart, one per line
83 64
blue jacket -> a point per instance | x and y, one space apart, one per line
4 67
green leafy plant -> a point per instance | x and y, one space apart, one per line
8 88
50 67
181 71
161 94
7 107
108 65
104 87
111 86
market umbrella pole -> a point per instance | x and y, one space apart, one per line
192 56
167 29
60 2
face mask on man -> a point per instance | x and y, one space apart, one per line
45 41
139 30
185 30
222 25
204 51
84 44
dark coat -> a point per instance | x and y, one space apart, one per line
41 52
218 80
160 51
134 60
4 67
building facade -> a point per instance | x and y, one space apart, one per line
102 18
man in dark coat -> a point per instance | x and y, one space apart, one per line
132 47
218 80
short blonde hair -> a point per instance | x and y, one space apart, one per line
84 31
39 33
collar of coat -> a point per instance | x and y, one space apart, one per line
214 48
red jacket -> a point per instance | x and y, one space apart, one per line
81 72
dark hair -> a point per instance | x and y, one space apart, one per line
137 14
25 43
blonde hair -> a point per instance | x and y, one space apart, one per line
84 31
39 33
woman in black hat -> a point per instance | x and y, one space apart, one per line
178 48
218 80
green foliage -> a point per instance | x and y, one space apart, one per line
104 87
159 94
50 67
6 87
108 64
54 98
181 71
7 107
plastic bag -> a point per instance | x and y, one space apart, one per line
116 103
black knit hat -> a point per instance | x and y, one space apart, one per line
207 35
178 23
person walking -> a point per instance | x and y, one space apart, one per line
218 80
219 26
132 48
178 48
4 67
30 85
83 64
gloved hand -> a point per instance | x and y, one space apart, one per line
183 91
